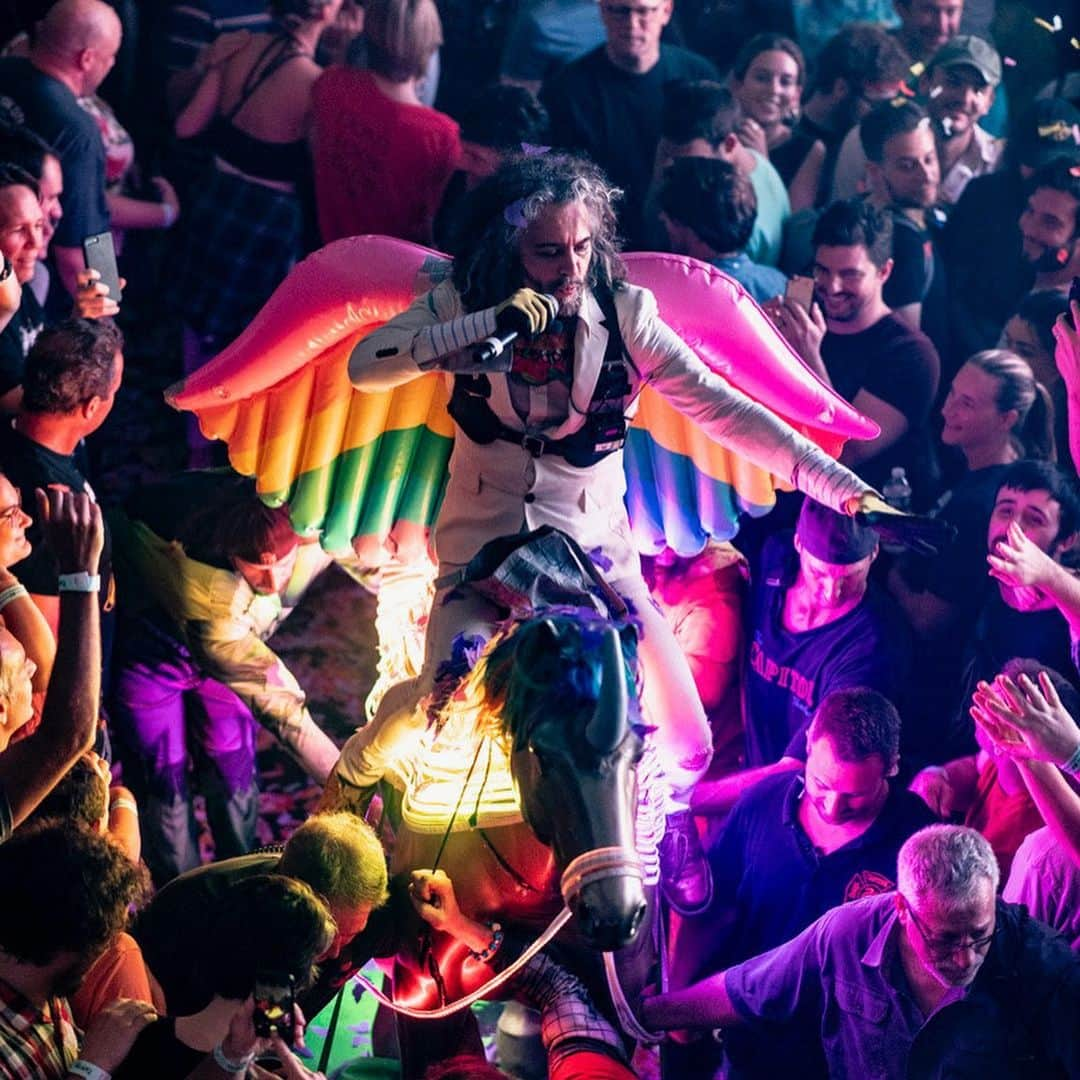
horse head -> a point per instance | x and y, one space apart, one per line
569 709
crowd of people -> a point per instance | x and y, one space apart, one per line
864 756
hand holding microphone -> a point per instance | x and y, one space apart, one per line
525 312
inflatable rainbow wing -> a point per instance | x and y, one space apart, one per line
366 471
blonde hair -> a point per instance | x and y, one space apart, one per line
1019 390
401 36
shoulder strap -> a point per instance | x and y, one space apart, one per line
287 50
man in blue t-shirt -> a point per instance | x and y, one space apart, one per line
799 843
74 48
817 625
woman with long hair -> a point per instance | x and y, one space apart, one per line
1030 334
995 413
242 233
767 81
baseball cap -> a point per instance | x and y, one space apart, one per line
1048 131
967 50
832 537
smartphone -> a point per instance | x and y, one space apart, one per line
275 996
100 255
800 291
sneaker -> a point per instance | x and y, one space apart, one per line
685 878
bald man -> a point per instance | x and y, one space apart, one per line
74 48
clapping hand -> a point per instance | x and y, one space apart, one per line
1025 719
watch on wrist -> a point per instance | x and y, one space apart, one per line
88 1070
80 582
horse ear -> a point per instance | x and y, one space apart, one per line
608 724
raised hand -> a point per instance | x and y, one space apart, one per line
1025 719
74 531
1019 562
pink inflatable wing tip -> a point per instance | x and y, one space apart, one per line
743 345
347 287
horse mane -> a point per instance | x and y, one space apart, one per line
545 658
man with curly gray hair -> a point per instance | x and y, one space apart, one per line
937 979
539 430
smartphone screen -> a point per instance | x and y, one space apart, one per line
99 254
274 999
800 290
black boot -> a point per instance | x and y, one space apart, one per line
685 878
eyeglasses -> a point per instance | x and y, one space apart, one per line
627 11
946 947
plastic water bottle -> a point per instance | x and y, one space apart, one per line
897 491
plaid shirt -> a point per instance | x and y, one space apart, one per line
35 1043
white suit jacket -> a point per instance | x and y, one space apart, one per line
500 489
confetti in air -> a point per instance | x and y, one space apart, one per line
1074 42
936 91
946 125
919 67
1008 61
1051 27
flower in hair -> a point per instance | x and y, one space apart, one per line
514 215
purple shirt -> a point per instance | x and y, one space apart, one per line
842 978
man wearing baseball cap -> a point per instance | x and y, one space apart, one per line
817 625
959 86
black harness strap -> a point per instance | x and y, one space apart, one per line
604 430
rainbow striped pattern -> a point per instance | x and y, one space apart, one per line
366 471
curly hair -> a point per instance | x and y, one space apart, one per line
486 240
66 890
81 795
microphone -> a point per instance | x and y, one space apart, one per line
491 348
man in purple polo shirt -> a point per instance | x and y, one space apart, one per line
937 979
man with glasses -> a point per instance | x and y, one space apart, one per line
609 104
936 979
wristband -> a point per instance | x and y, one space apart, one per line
230 1066
12 592
123 804
1072 766
88 1070
493 945
80 582
169 214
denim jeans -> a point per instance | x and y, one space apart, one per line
172 722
